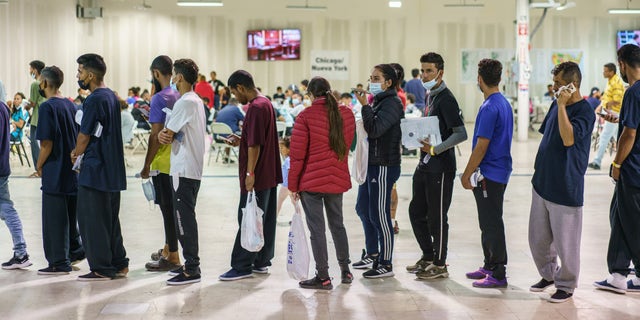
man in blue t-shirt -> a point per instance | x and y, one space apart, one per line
57 131
555 221
102 174
414 86
158 158
492 156
233 117
624 241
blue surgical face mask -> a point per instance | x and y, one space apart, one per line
430 84
295 101
375 88
172 85
149 191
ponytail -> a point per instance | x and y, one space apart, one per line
320 87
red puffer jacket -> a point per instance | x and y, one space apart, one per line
314 166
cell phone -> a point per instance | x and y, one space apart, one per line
360 93
232 138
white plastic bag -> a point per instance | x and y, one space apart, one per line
251 236
361 159
298 249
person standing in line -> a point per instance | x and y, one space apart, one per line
8 213
319 176
102 174
259 170
414 86
35 100
555 221
158 158
624 241
611 103
394 191
57 131
433 177
185 131
381 120
491 155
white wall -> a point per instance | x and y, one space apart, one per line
215 37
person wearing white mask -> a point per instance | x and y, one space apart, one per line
297 103
434 175
381 120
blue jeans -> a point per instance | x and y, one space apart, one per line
608 131
35 147
373 205
10 216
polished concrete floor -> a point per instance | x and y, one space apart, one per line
144 295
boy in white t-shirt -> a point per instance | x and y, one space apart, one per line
185 131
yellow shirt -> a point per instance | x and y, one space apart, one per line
162 160
613 92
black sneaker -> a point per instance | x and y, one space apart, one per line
560 296
541 285
182 279
380 272
53 271
260 270
176 271
420 265
161 264
594 165
17 262
93 276
316 283
347 276
366 261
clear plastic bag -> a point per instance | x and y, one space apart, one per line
297 249
251 235
361 158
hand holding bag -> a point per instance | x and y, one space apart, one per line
251 236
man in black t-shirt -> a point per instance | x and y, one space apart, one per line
433 178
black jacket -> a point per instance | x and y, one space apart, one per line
382 123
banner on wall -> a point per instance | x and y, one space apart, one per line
542 61
331 65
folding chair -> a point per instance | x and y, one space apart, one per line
218 128
281 127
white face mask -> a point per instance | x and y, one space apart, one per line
295 101
375 88
306 102
172 84
33 76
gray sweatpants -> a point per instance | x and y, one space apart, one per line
312 203
555 231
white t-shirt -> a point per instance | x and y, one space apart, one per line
187 120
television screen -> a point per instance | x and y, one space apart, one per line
628 36
273 44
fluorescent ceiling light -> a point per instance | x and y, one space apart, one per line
547 4
201 3
395 4
307 7
624 11
463 4
566 5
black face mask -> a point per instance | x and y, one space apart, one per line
157 85
41 92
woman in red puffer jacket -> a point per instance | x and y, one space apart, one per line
319 174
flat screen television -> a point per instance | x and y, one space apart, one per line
628 36
273 44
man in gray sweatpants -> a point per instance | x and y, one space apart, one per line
555 222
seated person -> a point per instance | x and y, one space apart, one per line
412 111
128 123
232 116
18 117
140 113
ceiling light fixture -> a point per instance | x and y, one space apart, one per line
625 11
306 7
200 3
464 4
395 4
566 5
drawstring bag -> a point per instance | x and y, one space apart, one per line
361 159
298 249
251 236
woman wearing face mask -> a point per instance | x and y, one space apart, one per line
381 120
18 117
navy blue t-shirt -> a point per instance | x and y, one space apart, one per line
495 122
56 122
559 170
230 115
630 118
103 163
5 169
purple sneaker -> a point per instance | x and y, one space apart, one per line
479 274
490 282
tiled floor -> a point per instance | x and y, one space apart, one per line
144 295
